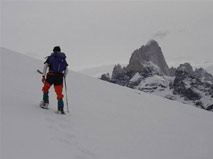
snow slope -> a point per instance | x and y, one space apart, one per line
106 121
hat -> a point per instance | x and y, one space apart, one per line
57 48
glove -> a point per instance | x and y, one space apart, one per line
43 79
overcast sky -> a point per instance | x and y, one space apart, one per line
93 33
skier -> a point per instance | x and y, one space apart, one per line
57 70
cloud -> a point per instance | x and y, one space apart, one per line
160 34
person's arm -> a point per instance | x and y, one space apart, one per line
45 69
44 72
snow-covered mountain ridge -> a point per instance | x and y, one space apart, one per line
106 121
148 71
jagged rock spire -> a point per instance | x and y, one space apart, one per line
151 52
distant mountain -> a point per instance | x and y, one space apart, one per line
151 53
148 71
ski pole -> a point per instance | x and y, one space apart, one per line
66 94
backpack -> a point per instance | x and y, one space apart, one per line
57 62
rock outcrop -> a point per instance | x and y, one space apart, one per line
186 67
172 71
203 75
117 70
200 73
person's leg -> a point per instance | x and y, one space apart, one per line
46 87
58 85
45 90
59 90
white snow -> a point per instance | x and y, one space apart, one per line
107 121
210 69
187 84
155 79
135 77
155 67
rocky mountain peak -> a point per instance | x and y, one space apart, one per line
200 73
186 67
203 75
151 52
117 70
152 43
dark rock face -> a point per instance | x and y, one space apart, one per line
117 70
172 71
123 79
105 77
151 52
185 84
210 108
186 67
211 90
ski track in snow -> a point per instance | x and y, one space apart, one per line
63 132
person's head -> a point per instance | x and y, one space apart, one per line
56 49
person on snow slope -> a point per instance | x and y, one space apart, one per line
58 68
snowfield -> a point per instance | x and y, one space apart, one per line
107 121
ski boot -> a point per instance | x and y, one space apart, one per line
61 107
45 103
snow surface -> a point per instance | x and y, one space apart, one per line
210 69
107 121
136 77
